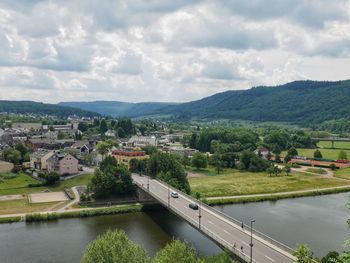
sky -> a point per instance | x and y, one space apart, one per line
166 50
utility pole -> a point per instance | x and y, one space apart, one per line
251 240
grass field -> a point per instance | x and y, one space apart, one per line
23 206
343 173
18 184
316 170
337 145
326 153
233 182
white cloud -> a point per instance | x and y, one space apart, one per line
166 50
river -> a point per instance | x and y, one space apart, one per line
319 221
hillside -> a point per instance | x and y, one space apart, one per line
300 102
42 109
119 109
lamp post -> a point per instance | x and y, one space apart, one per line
199 213
147 183
251 240
168 196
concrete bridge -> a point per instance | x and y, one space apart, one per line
332 140
222 229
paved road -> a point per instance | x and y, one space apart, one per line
226 232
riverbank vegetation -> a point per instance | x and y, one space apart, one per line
115 246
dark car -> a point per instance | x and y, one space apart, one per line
193 206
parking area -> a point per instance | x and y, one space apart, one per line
47 197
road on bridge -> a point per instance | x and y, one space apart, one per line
216 226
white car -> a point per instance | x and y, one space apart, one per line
174 194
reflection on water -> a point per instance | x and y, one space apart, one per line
319 221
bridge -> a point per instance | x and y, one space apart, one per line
332 140
223 230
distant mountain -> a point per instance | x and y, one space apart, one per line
301 102
24 107
119 109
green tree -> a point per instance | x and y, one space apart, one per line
317 154
342 155
12 155
303 254
292 151
217 162
331 256
114 247
199 160
103 126
61 135
104 147
177 251
24 150
51 178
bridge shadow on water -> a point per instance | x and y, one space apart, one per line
178 228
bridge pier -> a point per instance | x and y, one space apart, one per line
144 197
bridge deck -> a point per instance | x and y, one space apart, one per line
217 226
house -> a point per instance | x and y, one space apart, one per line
83 146
141 141
5 167
124 155
262 151
38 159
110 133
63 164
27 126
49 144
188 152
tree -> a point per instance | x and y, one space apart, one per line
287 158
287 170
103 126
317 154
199 160
51 178
25 155
303 254
61 135
12 155
331 256
104 147
114 246
166 167
177 251
342 155
217 161
111 178
292 151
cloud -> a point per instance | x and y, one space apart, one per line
166 50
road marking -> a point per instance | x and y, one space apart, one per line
269 258
226 231
210 222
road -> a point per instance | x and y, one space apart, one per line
215 225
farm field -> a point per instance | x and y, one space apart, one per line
234 182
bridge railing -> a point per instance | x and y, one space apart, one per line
235 221
204 229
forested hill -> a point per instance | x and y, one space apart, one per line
24 107
118 108
301 102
